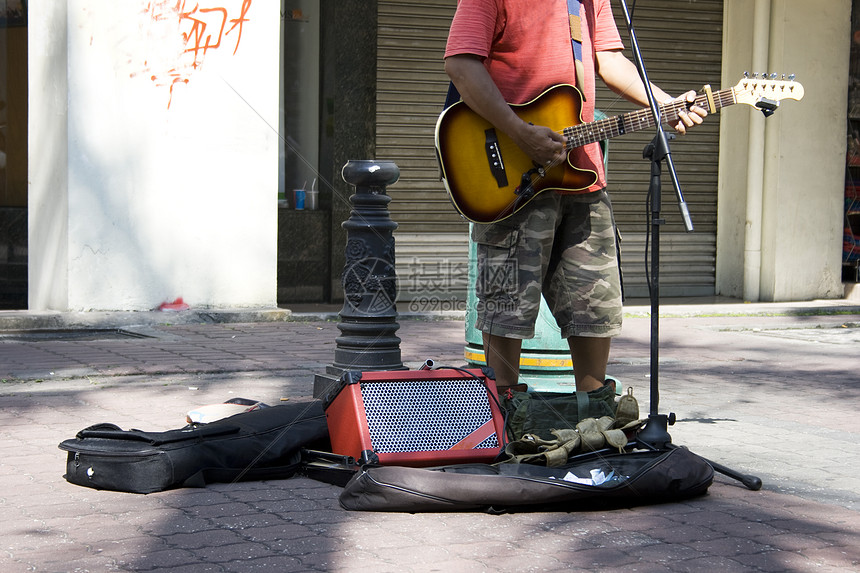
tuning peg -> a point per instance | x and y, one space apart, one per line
791 77
773 76
746 75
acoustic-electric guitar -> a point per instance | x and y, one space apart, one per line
489 178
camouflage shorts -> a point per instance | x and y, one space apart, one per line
561 246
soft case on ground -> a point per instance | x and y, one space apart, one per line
416 417
634 478
262 444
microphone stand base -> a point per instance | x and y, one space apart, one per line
655 434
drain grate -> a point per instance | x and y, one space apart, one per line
68 334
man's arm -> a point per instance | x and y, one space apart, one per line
481 94
622 77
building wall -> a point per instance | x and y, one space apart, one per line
154 154
782 178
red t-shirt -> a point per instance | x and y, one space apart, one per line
525 45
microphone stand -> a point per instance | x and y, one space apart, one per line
655 435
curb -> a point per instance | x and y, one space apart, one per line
48 320
20 320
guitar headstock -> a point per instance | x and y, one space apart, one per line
766 92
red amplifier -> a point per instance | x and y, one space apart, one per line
416 417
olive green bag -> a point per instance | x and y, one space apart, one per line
539 413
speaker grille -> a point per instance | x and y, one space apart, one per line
425 415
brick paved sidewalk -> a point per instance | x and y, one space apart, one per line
775 396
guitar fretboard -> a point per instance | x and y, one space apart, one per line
586 133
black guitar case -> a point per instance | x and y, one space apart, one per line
635 478
256 445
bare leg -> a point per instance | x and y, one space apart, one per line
503 356
590 356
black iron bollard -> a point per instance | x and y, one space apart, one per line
368 319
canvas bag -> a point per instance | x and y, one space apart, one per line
538 413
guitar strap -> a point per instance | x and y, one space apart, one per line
452 97
573 12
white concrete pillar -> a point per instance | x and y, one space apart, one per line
784 243
755 164
159 180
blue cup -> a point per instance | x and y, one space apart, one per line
299 199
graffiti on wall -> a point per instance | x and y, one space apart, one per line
192 29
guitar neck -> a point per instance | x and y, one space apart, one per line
586 133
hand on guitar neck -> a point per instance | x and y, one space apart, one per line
690 115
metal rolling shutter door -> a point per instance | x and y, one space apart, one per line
432 251
432 239
681 44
